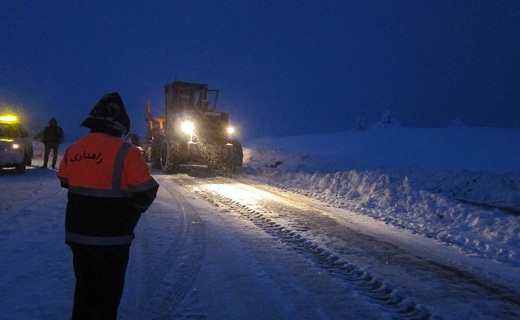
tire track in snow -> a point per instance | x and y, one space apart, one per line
168 283
380 292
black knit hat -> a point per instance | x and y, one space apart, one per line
109 114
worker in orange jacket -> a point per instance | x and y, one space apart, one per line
109 187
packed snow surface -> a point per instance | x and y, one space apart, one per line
457 185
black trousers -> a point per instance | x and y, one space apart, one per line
100 278
48 148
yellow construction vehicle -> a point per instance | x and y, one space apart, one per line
192 131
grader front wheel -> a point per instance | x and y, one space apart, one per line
169 157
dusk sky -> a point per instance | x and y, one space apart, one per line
282 67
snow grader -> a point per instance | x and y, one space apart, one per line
192 132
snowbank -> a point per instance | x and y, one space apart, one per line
459 185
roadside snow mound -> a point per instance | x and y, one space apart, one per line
478 212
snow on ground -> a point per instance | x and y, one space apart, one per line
408 177
414 178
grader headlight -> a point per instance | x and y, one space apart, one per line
188 127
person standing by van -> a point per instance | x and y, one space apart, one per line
51 138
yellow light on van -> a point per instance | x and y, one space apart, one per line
9 118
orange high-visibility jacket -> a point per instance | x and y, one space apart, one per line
109 186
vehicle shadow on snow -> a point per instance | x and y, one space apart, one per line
197 171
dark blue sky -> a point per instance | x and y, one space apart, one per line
283 67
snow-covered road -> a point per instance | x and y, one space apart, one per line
393 273
211 262
219 248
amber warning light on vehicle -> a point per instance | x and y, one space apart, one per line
8 118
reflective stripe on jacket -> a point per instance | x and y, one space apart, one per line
109 186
